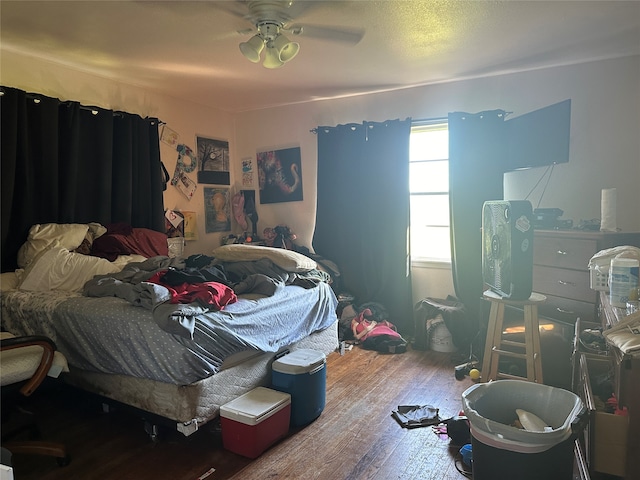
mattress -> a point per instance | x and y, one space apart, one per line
110 335
113 347
191 406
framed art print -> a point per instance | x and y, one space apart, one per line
280 175
217 210
213 161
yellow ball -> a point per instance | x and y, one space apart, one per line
474 374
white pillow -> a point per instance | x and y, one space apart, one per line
288 260
56 268
68 235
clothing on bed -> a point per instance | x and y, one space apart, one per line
111 335
123 239
176 343
140 284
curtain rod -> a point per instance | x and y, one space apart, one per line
34 96
428 120
419 120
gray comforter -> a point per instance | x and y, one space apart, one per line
115 334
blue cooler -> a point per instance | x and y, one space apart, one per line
303 375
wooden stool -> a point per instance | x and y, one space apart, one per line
494 343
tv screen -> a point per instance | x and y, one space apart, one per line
539 138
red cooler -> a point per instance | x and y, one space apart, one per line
254 421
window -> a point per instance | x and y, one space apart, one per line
429 189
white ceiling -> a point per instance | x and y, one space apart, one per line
189 50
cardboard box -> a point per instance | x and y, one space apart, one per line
254 421
303 374
610 443
610 432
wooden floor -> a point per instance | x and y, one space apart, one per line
354 438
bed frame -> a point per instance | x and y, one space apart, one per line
189 407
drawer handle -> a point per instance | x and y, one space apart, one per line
562 252
561 310
562 282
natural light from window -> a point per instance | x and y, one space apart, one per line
429 188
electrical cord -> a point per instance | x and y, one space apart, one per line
461 467
549 171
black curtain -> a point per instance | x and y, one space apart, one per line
362 219
65 163
476 168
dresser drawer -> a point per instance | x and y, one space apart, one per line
561 252
567 310
560 282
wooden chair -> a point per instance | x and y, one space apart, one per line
529 350
26 361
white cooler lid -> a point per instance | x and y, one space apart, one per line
255 406
299 361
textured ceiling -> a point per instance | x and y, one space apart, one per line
189 50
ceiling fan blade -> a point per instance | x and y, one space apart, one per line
235 8
350 35
298 8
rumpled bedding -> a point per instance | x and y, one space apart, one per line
140 283
133 329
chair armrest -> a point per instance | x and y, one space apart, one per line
49 348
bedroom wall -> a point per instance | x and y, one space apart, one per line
605 145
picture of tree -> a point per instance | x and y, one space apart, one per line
213 161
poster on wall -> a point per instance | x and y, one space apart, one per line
247 172
217 210
280 175
173 223
213 161
168 136
190 226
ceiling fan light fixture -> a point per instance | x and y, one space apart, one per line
252 48
272 58
285 48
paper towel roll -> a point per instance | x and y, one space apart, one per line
608 210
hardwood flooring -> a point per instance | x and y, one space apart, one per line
354 438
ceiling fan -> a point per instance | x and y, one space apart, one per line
271 19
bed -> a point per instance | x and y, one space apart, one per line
127 341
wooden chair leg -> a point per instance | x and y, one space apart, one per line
537 357
527 351
528 344
494 338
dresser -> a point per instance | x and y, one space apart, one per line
561 272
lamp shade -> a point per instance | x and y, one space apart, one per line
252 48
286 49
271 58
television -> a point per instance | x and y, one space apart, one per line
539 138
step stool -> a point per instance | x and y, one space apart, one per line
528 351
